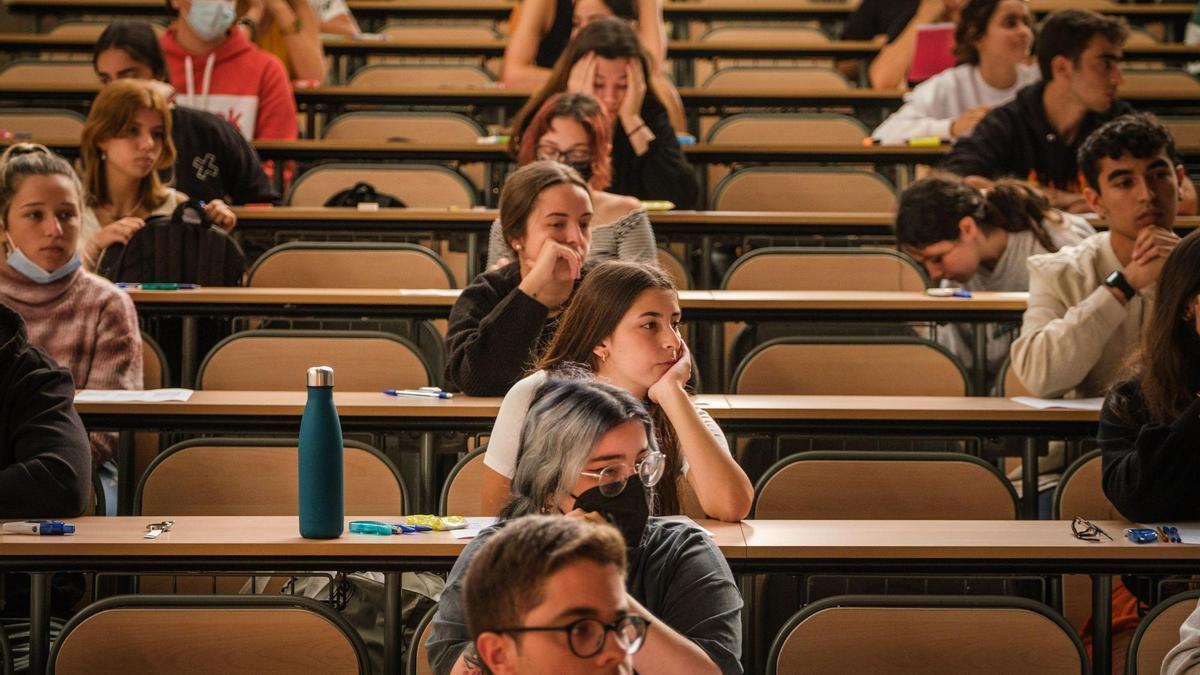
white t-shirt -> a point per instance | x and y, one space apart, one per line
505 441
933 105
328 9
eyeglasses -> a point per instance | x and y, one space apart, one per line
1086 530
586 637
613 477
552 153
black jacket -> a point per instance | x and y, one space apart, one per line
661 173
45 458
495 333
214 161
1016 140
1151 471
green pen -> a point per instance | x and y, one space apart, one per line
168 286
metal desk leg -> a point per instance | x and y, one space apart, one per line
979 365
126 480
393 663
713 376
188 347
39 622
472 257
1029 479
428 499
1101 624
746 588
706 268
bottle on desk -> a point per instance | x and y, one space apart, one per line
321 486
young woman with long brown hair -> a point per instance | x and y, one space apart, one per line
623 326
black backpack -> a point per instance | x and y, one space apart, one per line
364 193
185 247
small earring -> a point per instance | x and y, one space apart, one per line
103 156
516 247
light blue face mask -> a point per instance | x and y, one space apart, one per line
210 19
21 263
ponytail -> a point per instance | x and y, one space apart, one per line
931 209
1016 206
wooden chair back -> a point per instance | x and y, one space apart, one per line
276 360
825 190
68 73
784 79
927 634
1158 633
155 375
1157 81
1010 384
674 268
463 491
417 662
851 367
423 75
788 128
42 123
350 265
417 185
1185 130
212 634
824 269
884 486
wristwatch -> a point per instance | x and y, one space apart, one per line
251 26
1117 280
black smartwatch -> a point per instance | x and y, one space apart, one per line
1117 280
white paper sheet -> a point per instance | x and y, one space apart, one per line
129 396
1060 403
475 525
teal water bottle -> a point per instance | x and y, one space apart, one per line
321 487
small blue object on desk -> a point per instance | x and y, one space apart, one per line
424 392
1141 535
40 527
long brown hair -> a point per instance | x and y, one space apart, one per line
1167 364
521 190
603 297
111 114
587 112
609 38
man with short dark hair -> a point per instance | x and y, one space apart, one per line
1038 134
1087 302
547 595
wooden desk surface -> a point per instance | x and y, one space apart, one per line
291 403
917 408
855 300
945 539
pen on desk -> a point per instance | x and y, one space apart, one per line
40 527
157 286
418 392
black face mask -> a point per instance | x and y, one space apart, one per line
627 511
584 169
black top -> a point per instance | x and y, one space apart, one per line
556 39
1017 140
879 17
495 333
661 173
1151 470
45 457
214 161
677 573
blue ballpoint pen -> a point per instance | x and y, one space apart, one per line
418 392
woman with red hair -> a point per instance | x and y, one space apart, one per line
574 130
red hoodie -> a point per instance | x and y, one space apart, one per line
238 81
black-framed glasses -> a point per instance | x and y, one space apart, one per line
553 154
1086 530
612 478
586 637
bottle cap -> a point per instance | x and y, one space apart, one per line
320 376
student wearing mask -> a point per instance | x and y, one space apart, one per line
588 452
1088 303
125 143
82 321
992 43
606 62
501 322
574 130
623 327
547 595
212 159
223 72
980 240
1037 136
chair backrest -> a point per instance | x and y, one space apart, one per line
350 265
790 188
674 268
1158 633
417 185
42 123
789 79
1185 130
788 128
73 73
431 75
927 634
208 634
90 30
774 35
884 485
384 125
259 477
170 249
417 662
1010 384
462 494
1152 81
444 32
276 360
155 370
797 268
1080 491
851 366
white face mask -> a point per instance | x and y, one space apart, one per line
31 270
210 19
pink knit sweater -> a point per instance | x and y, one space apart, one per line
87 325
